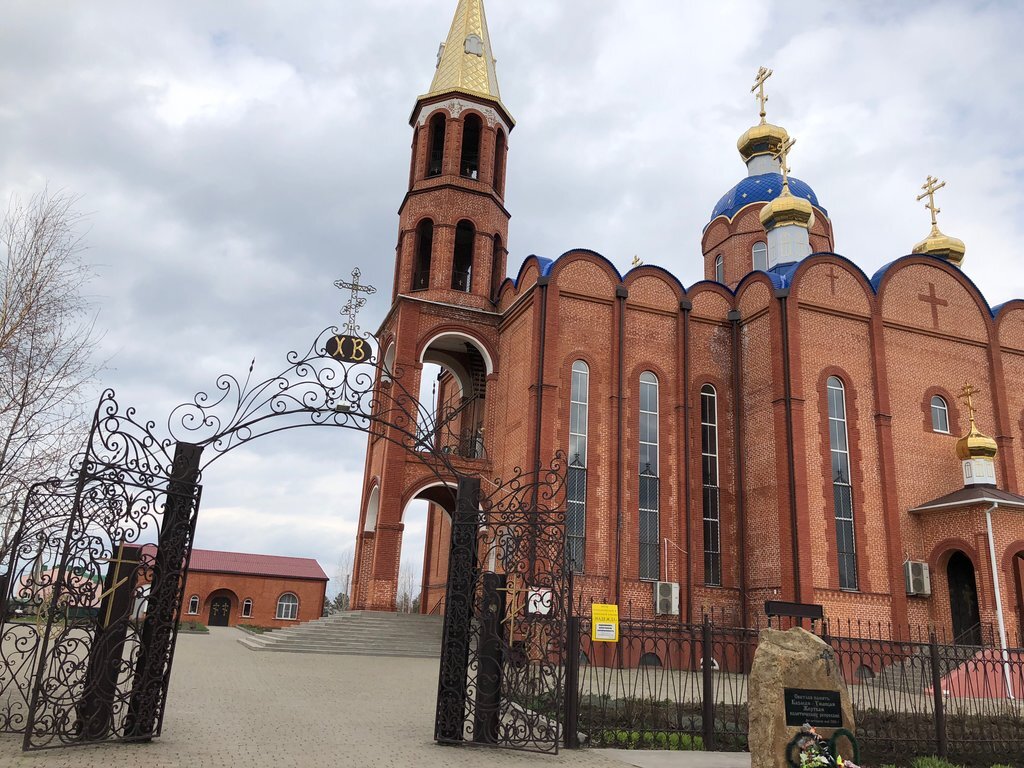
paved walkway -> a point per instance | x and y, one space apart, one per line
231 707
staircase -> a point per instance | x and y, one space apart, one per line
359 633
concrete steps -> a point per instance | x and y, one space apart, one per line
359 633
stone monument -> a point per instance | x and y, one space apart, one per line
794 680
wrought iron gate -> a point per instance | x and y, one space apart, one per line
501 681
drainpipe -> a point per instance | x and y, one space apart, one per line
782 294
621 294
999 601
737 421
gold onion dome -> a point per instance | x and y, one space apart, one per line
787 210
951 249
975 445
762 139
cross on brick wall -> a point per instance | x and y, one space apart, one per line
832 278
935 301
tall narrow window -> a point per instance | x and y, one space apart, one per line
940 415
719 269
435 155
760 256
842 490
499 161
424 248
462 268
650 529
497 273
576 480
709 480
469 165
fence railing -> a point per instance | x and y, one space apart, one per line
684 686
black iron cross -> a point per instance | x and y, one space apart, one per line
355 301
935 301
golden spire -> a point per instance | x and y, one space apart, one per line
937 244
764 138
786 209
465 63
974 444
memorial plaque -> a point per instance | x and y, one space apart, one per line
821 709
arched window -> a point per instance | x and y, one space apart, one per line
497 273
709 481
719 268
247 608
576 479
424 249
435 155
842 490
499 161
940 415
462 269
469 165
287 606
760 256
650 528
193 605
650 660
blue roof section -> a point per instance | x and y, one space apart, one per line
781 275
761 189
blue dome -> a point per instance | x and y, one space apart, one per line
761 189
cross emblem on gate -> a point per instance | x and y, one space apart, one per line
355 301
935 301
513 590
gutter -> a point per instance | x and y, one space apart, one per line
999 601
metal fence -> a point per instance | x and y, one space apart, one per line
671 685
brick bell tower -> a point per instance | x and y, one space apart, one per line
450 262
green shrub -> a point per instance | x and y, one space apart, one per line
624 739
193 626
932 762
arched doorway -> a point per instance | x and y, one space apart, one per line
220 609
427 530
963 599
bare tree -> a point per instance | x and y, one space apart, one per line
343 580
408 598
47 345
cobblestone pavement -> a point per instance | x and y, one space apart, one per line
229 706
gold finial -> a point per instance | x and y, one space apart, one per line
637 261
780 154
974 444
930 187
763 74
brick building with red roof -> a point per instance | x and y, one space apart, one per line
228 588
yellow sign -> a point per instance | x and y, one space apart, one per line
604 623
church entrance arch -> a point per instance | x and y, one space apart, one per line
220 609
426 533
963 599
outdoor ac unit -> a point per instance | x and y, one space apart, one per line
918 579
666 598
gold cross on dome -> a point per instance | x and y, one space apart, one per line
781 155
967 393
762 74
930 187
637 261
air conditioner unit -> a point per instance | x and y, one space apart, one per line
666 598
918 578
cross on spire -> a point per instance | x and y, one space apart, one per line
355 301
762 74
967 393
781 154
637 261
930 187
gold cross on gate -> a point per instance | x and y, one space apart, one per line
355 301
513 590
781 154
117 562
931 186
967 393
762 74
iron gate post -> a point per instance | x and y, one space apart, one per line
708 686
572 683
458 614
487 716
940 712
159 630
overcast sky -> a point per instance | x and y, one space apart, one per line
234 159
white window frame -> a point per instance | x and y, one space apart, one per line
649 384
247 608
839 445
193 605
942 407
711 486
720 268
760 248
579 416
290 607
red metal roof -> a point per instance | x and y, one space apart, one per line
210 560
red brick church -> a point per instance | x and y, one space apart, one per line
787 428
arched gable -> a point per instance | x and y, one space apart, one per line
653 286
711 299
585 272
754 293
1010 324
830 280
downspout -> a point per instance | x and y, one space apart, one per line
542 284
782 295
999 601
686 306
737 420
621 293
